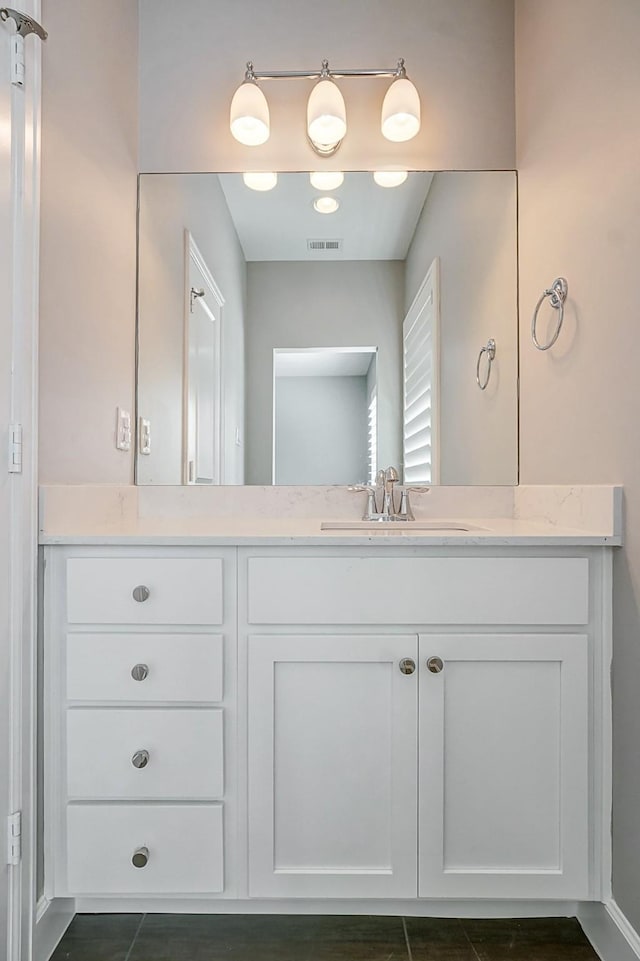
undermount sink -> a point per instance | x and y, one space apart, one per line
400 527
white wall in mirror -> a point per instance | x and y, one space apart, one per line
281 295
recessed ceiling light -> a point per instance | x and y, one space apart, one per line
260 181
326 205
390 178
326 179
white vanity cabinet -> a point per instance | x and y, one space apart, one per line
470 777
140 679
374 723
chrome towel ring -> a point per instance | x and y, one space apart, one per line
490 351
557 294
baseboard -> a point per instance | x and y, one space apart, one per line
52 920
412 908
609 931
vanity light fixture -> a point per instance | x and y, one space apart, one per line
326 110
326 179
390 178
260 181
249 118
326 205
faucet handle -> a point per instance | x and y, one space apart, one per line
405 507
371 499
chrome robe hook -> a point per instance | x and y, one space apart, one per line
24 24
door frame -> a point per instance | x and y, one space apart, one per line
22 543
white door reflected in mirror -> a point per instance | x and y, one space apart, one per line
203 379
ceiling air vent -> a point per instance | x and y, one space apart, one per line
324 244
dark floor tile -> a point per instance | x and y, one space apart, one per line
525 930
438 939
537 952
529 939
224 926
104 949
98 937
200 937
358 927
269 938
104 926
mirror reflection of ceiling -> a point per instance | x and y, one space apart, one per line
371 223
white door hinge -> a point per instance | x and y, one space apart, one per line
14 838
15 449
17 60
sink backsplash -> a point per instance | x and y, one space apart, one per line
73 508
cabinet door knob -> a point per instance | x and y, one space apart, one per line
407 665
140 759
139 672
141 593
435 665
140 857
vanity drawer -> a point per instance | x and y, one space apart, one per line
179 667
418 590
180 590
184 844
185 753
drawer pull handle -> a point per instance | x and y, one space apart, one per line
140 759
139 672
407 665
435 665
140 857
141 593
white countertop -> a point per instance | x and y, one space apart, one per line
536 517
306 532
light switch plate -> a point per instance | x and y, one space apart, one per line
144 433
123 429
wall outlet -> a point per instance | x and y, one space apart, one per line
123 429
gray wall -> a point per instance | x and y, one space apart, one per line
333 304
192 57
321 430
469 223
170 204
88 238
580 401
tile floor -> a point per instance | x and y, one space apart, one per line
193 937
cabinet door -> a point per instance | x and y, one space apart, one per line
332 767
504 767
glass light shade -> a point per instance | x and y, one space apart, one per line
401 111
326 113
260 181
249 115
390 178
326 205
326 179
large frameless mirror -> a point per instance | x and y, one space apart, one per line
312 333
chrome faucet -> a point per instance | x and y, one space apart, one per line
390 478
381 499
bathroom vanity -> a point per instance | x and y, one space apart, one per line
238 721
